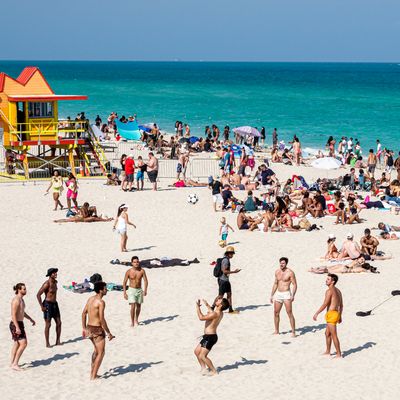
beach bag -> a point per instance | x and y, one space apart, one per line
217 268
305 223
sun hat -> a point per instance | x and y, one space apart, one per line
51 271
230 249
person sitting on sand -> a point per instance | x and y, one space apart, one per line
369 244
112 179
243 220
332 251
356 266
85 214
286 223
353 211
250 203
341 216
275 157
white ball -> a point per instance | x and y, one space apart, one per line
192 198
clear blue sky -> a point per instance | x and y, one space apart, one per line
216 30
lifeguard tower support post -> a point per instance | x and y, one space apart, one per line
33 132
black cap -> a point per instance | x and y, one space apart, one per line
51 271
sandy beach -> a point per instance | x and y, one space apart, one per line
155 360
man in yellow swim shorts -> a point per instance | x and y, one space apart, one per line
333 304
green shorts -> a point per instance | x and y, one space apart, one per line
135 295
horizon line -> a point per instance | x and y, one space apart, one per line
204 61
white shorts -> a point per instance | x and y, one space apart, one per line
217 198
280 297
121 231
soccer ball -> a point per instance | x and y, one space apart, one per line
192 198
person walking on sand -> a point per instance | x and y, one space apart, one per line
223 232
72 192
56 184
333 304
135 293
17 327
49 305
212 320
282 293
121 225
94 326
224 285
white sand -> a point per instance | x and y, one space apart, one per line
156 360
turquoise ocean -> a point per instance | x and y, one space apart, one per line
312 100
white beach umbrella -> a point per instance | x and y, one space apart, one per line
247 131
326 163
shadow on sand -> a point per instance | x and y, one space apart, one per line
242 363
358 349
142 248
307 329
159 319
48 361
121 370
252 307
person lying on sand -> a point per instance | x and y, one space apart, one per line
159 262
355 266
390 236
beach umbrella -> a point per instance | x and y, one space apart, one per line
367 313
247 131
326 163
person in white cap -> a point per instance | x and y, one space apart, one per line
121 225
332 251
350 249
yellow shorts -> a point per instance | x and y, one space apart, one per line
332 317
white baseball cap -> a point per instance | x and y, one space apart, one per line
331 236
349 235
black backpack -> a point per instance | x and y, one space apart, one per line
218 267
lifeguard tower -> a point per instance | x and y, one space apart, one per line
33 136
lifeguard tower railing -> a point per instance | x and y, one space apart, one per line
65 135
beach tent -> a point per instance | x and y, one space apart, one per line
247 131
129 130
326 163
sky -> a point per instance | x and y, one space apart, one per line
208 30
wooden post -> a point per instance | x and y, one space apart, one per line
71 160
25 164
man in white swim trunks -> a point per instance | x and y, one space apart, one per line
135 293
283 293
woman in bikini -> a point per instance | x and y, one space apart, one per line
56 184
332 251
72 192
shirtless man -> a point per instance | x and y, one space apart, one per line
369 244
212 320
282 294
244 221
350 249
135 292
96 326
49 305
333 304
17 327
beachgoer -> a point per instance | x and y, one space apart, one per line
224 285
332 251
129 174
135 293
223 231
72 192
56 184
216 190
152 170
212 320
372 161
333 304
244 221
49 305
17 327
142 168
121 225
346 267
369 244
283 293
94 326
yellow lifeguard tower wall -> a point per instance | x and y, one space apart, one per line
32 85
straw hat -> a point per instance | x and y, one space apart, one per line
230 249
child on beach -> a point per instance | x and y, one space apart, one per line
223 231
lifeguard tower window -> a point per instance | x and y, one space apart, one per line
40 109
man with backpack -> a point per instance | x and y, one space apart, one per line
222 270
